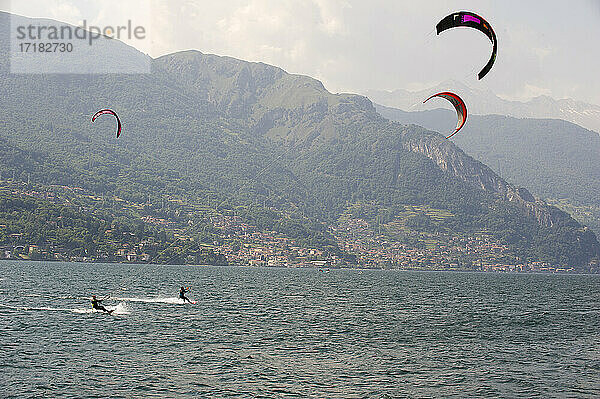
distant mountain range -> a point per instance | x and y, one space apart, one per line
221 136
485 102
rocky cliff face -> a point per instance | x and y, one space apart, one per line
299 109
453 160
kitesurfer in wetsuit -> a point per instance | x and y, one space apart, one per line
182 292
96 305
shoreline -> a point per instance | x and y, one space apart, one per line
361 269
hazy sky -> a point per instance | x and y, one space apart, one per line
545 47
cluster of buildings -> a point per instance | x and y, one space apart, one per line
125 252
243 244
37 252
434 251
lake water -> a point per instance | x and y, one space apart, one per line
295 333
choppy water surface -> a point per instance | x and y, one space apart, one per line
295 333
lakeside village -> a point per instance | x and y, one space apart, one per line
370 251
243 245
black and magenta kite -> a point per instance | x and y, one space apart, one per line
471 20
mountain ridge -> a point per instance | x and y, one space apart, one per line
485 102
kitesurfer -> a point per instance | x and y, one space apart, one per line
96 305
182 292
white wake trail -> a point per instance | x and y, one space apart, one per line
168 300
120 309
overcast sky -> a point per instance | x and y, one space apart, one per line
544 47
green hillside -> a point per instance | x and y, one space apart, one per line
223 137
